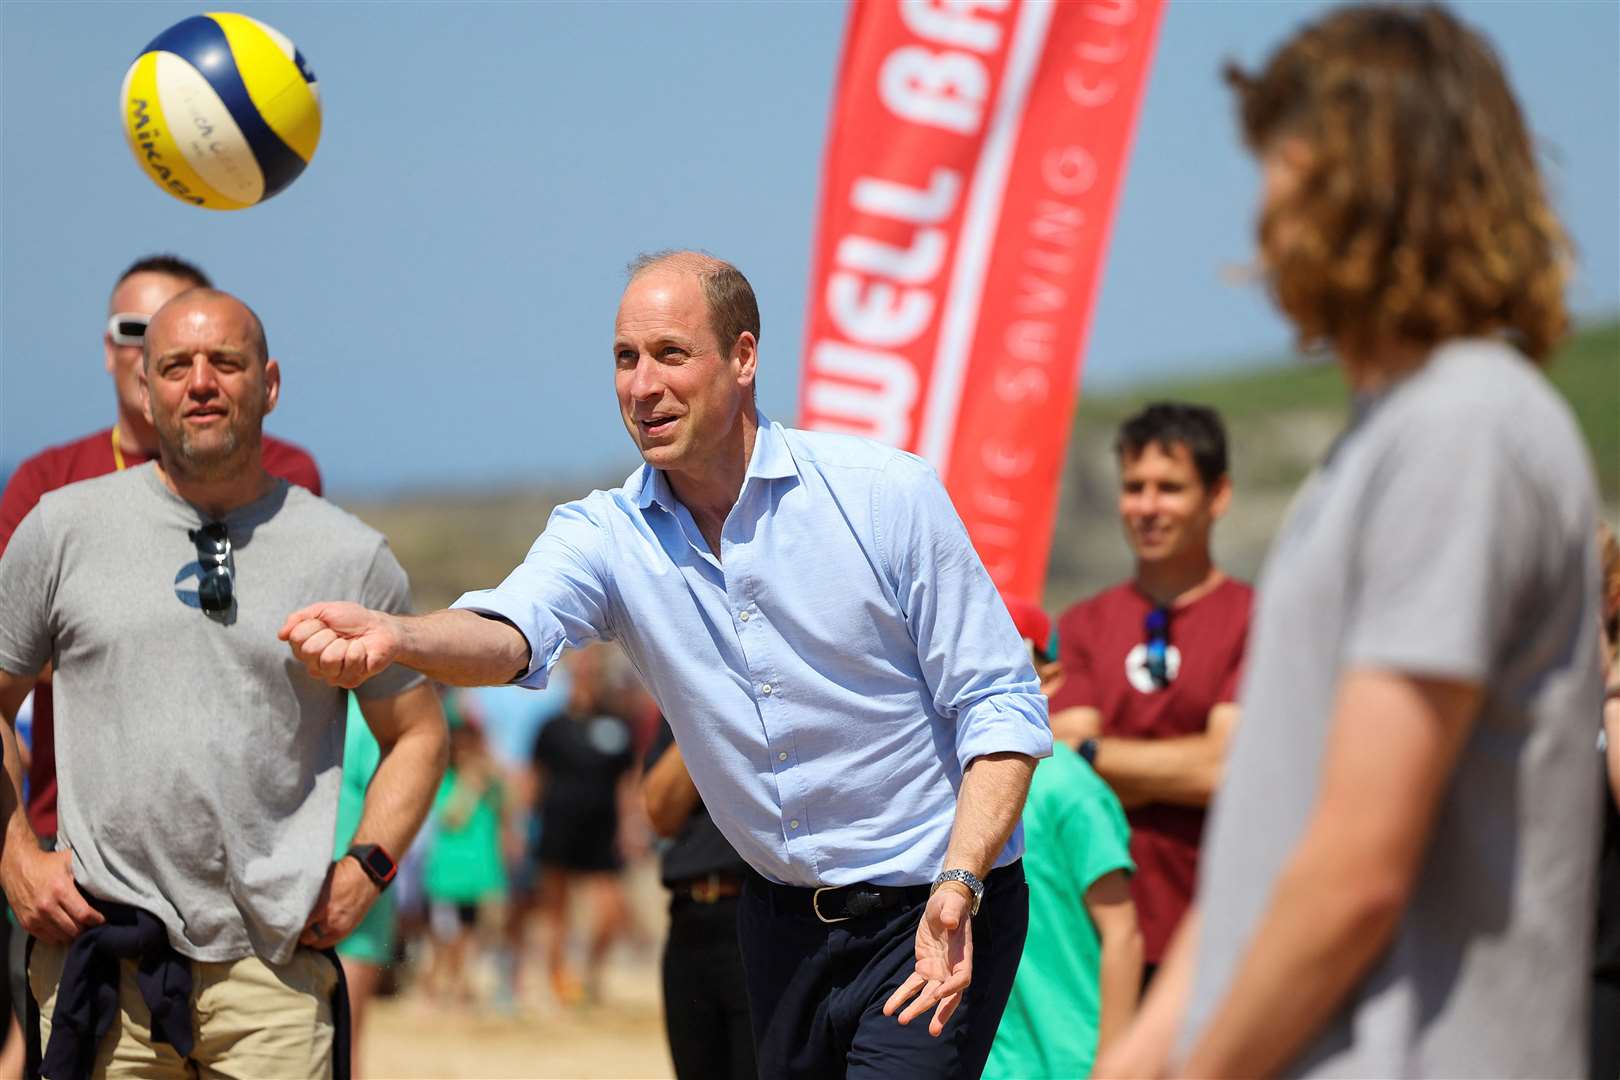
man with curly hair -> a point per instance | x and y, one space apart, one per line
1397 878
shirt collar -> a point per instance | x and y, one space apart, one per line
771 460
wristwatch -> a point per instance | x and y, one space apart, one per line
377 863
1088 750
965 877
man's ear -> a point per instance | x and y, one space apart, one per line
1221 499
146 389
745 354
272 386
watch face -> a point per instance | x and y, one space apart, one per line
376 862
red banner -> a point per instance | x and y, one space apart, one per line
975 157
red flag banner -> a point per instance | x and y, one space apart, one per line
974 162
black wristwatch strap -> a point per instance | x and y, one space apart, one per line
1088 750
377 863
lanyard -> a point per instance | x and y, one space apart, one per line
118 451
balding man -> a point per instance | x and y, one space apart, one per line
198 771
848 692
144 286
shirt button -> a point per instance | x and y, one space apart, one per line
782 756
743 615
794 824
766 689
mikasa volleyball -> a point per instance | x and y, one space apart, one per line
221 111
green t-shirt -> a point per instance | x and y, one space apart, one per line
1074 833
373 940
465 863
361 756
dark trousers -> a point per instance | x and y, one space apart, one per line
705 1005
817 990
1605 1028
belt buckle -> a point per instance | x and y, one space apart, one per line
815 905
707 890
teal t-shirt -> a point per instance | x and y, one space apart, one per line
1074 833
373 940
465 864
361 756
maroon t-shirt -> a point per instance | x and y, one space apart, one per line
1102 642
59 466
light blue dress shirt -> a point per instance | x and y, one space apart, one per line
828 677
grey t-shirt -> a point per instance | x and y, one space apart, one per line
198 764
1450 533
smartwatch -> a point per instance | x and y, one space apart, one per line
1088 750
377 863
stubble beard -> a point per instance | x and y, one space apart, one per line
181 453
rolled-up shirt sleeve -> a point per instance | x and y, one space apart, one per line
557 598
976 665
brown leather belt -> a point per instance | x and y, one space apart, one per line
708 888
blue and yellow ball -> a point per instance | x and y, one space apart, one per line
221 111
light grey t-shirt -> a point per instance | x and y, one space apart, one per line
1450 533
198 764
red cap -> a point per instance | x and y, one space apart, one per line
1034 625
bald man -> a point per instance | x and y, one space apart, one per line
198 771
146 285
847 690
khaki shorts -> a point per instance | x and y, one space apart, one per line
250 1019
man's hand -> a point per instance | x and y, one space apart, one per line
42 892
944 959
346 895
342 643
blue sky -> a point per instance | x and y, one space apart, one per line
439 285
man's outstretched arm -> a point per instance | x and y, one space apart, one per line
345 644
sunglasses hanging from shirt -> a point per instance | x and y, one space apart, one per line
1157 628
214 591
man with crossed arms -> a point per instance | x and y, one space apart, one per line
847 689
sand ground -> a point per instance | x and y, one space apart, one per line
620 1036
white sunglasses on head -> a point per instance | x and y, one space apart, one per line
127 328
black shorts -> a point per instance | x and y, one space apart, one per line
584 840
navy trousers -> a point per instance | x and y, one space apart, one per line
816 991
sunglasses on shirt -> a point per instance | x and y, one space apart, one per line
127 328
214 591
1157 628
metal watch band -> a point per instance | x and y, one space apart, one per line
966 877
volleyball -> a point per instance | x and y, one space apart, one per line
221 111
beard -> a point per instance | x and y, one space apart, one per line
208 455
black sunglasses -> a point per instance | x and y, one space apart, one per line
1157 628
214 556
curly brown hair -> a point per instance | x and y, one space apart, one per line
1420 214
